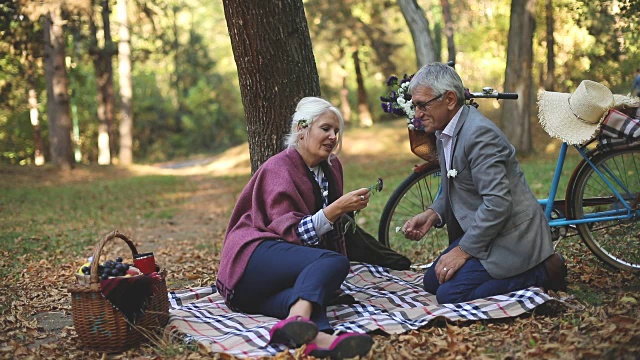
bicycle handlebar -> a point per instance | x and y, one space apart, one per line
487 92
490 93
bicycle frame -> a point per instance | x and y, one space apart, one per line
591 218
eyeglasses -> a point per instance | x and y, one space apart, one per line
422 105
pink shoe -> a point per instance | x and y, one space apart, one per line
346 346
294 331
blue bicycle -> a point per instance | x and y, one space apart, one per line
600 204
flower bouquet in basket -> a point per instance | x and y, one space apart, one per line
398 102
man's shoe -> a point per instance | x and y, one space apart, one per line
557 272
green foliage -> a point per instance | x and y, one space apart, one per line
20 45
186 92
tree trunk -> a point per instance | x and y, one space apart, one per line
364 114
550 79
57 90
126 88
180 92
448 30
108 53
102 60
276 68
345 107
419 27
516 115
35 122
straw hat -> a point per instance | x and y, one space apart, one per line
575 118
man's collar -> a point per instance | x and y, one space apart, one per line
451 126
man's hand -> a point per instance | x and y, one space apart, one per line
418 225
449 263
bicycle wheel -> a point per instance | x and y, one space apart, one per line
410 198
615 242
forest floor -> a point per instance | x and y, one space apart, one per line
600 318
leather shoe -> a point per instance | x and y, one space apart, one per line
294 331
557 272
345 346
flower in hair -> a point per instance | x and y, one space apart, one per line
304 123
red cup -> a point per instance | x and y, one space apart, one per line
146 262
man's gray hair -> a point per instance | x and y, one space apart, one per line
310 109
440 78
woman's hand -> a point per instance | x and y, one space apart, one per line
352 201
418 225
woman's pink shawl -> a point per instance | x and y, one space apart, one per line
277 197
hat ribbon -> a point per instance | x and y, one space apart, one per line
576 115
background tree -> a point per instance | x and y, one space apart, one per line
597 39
57 88
365 45
126 88
516 115
449 30
276 68
549 78
21 51
420 31
103 64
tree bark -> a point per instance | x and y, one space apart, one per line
516 115
448 30
126 87
550 79
57 90
364 114
345 108
102 60
419 27
276 68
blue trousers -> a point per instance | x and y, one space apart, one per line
472 281
280 273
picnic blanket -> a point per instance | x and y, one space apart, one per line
387 300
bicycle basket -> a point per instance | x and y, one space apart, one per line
423 144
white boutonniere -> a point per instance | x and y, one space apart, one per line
452 173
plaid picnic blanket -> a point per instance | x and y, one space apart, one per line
388 300
620 129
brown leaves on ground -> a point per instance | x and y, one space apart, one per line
600 320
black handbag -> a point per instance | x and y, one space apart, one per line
362 247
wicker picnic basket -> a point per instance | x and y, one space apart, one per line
102 327
423 144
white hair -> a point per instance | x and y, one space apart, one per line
440 78
310 109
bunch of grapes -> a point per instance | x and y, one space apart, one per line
109 268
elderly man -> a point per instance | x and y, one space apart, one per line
499 238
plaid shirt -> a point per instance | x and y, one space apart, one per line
306 229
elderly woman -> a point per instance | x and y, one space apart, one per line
284 253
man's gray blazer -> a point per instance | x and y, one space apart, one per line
489 203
